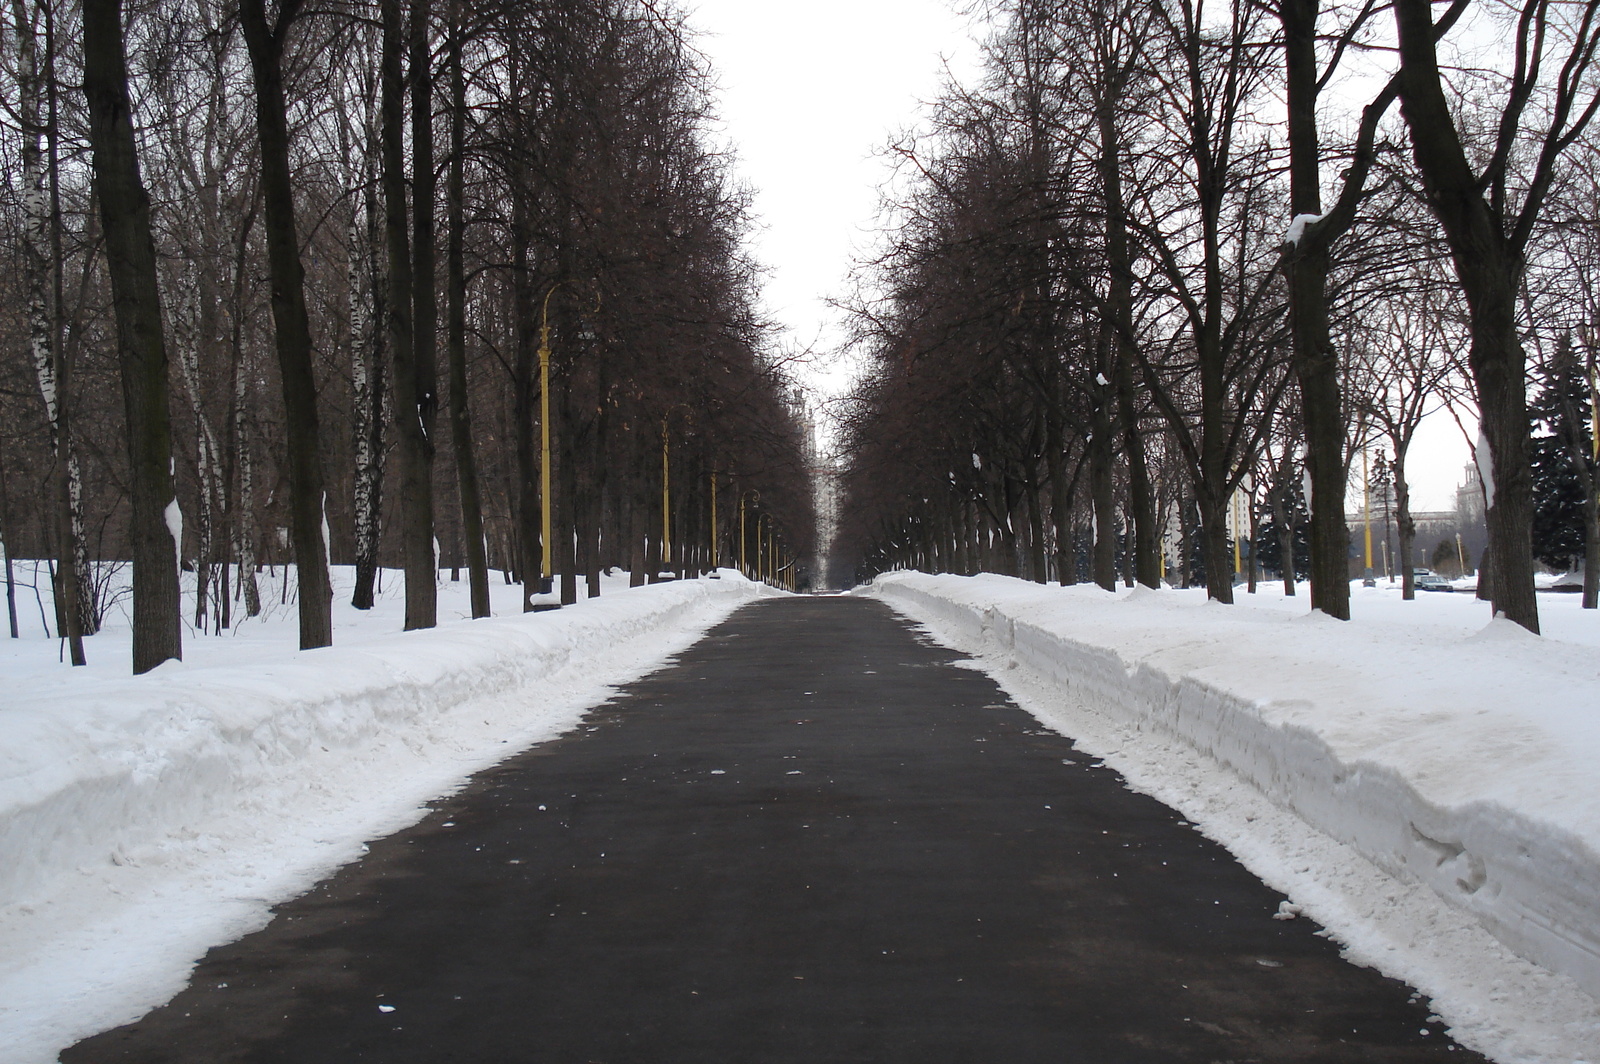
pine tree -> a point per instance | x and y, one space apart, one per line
1562 460
1270 541
1450 559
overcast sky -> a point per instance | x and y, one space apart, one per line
809 95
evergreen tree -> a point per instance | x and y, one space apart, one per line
1269 543
1561 415
1450 560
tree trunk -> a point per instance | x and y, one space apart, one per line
41 266
291 327
422 608
198 322
1405 526
1119 300
1316 361
242 511
530 501
5 548
1035 534
1214 547
1252 570
368 290
1591 549
1489 267
456 328
1283 522
638 496
565 526
136 298
1102 492
411 418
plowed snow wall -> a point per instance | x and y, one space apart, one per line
1531 881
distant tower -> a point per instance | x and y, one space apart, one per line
1470 515
1469 497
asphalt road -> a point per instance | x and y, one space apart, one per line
812 840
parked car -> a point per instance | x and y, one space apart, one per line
1431 582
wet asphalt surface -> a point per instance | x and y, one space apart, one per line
810 840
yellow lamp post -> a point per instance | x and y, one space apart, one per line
1238 562
1366 519
713 520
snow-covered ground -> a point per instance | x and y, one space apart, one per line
145 819
1423 781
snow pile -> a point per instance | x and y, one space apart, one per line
1298 225
146 819
1449 774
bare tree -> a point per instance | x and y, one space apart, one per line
41 253
1489 212
266 42
1403 365
456 325
156 526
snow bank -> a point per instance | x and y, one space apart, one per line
145 819
1465 762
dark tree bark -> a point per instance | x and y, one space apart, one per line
415 444
1117 66
291 327
136 298
1307 263
422 591
456 331
1102 485
1316 360
565 526
526 394
1488 239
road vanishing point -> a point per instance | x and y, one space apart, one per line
813 838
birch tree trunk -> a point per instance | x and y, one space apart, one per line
208 453
40 265
368 331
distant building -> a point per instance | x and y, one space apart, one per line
1433 527
1471 510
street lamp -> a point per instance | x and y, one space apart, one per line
1366 520
713 519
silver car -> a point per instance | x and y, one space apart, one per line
1431 582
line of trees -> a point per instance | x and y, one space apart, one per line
309 244
1172 267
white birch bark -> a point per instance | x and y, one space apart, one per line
38 265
